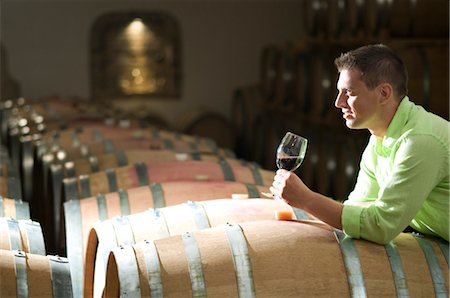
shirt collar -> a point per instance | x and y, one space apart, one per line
395 127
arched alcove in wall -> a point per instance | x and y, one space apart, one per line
135 55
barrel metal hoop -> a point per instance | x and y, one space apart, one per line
227 171
75 139
124 204
360 7
300 213
157 217
128 271
74 239
84 150
14 188
102 208
35 238
112 179
241 259
158 195
20 266
412 19
142 173
122 159
123 231
440 287
444 247
22 209
93 161
60 270
252 191
397 270
196 156
85 186
97 135
383 16
352 265
256 174
109 146
153 269
69 170
14 234
168 144
198 212
194 264
57 177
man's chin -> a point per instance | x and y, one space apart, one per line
352 125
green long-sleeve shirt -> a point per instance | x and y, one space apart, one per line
403 179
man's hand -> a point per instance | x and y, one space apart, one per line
290 188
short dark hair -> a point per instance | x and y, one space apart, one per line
378 64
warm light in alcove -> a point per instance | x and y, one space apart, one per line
136 27
137 76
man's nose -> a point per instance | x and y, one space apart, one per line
340 100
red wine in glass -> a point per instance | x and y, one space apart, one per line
290 163
291 151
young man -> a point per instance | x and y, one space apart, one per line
404 172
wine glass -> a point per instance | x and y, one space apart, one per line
291 151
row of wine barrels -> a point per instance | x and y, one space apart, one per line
164 222
43 163
428 72
98 131
93 164
13 208
94 138
121 158
126 143
80 215
278 259
303 77
395 18
32 275
142 174
300 77
111 179
23 234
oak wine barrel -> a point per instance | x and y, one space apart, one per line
30 275
428 71
23 234
419 18
96 164
17 209
164 222
278 259
142 173
80 215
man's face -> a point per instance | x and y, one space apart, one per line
358 104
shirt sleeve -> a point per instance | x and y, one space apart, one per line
415 165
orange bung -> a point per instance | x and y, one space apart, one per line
283 215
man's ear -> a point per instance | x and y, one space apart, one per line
386 92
